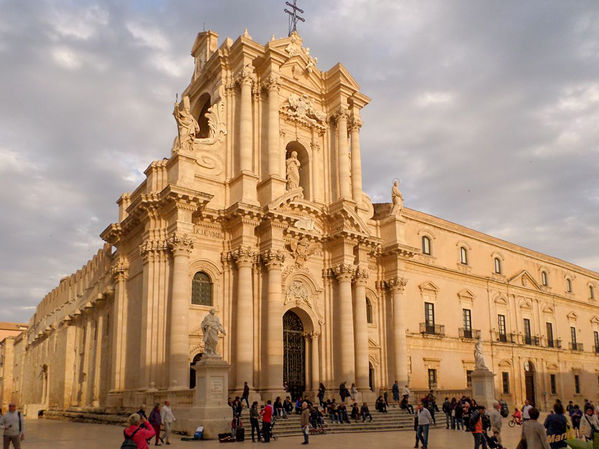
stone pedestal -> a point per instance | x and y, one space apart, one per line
483 387
209 407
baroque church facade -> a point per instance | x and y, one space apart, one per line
259 213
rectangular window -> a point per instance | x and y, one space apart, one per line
577 383
429 316
550 335
596 337
432 379
464 255
469 379
553 384
573 336
505 380
467 319
527 333
591 292
502 330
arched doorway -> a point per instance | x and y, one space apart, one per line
192 372
294 356
370 376
529 380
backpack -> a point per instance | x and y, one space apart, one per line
486 421
472 420
504 409
129 443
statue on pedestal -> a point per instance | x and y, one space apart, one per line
186 123
293 176
479 358
211 327
396 199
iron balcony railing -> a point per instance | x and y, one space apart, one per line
506 338
469 333
532 341
432 329
576 347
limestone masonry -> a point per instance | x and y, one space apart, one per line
259 213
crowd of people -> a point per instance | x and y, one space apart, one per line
142 429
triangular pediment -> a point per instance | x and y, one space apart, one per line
428 286
595 320
501 300
548 309
572 316
338 74
466 294
524 279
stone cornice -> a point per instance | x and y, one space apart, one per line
399 250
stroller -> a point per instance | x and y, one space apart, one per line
273 435
492 442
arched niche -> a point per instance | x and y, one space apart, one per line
198 110
304 170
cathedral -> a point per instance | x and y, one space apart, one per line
259 214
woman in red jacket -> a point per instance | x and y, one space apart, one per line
140 433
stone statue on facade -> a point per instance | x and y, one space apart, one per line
396 199
479 358
211 328
293 176
187 125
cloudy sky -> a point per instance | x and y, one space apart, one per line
488 112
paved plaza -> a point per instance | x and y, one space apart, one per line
45 434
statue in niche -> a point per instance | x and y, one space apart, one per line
479 358
293 176
211 328
396 199
187 125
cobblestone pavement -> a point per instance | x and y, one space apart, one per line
45 434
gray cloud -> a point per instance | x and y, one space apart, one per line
487 111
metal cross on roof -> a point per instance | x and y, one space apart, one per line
293 16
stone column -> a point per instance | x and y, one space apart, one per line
87 348
119 325
274 156
246 78
315 362
178 362
344 322
344 180
98 361
308 360
356 160
244 312
361 328
273 259
400 344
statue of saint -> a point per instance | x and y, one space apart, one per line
479 358
211 327
396 199
293 177
186 123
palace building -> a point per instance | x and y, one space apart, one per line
259 212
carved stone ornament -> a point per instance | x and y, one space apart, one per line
312 61
344 271
180 244
272 83
301 250
119 269
479 358
246 75
295 45
298 294
307 224
361 276
243 256
397 284
273 258
301 108
149 249
396 200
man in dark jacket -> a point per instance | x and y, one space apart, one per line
447 411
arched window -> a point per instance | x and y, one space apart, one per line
591 292
201 289
463 255
369 317
568 285
544 278
497 265
426 245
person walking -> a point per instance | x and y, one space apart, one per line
496 420
267 413
245 396
156 421
254 421
305 422
406 392
139 430
167 417
343 392
353 392
321 392
533 432
477 426
589 424
424 421
557 427
446 407
14 427
525 410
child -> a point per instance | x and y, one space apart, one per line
517 416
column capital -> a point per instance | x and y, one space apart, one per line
243 256
344 271
355 124
272 84
396 284
180 244
246 76
120 269
341 114
361 276
149 249
273 259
